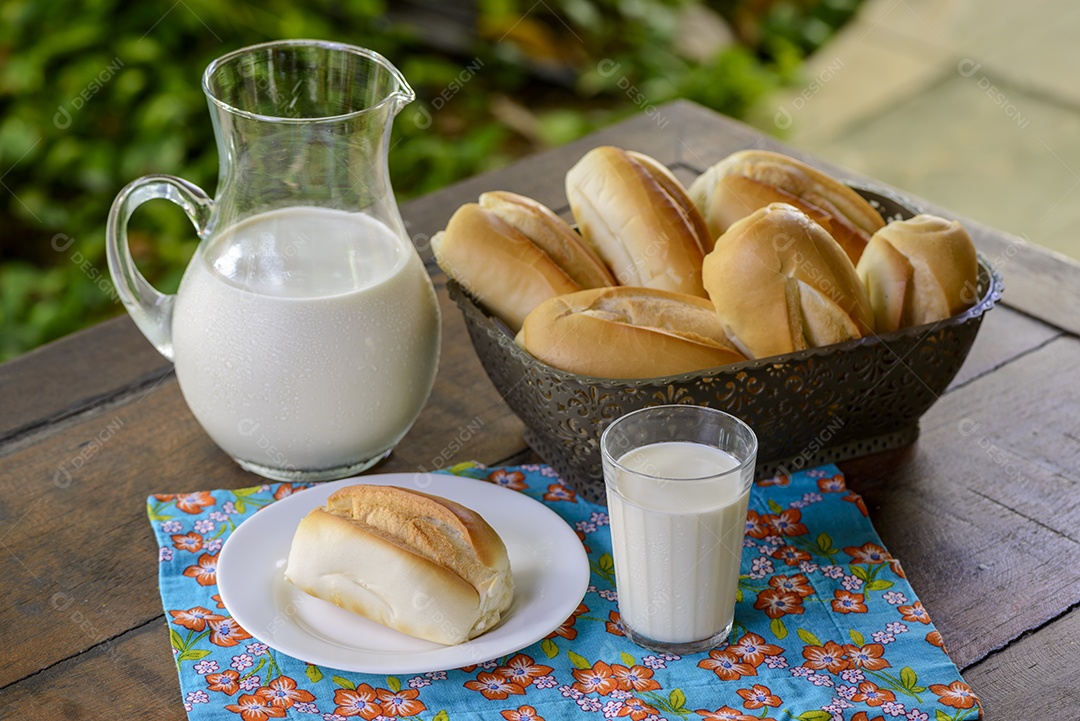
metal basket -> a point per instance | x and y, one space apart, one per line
810 407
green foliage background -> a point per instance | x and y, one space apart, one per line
94 93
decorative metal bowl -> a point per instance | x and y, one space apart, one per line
810 407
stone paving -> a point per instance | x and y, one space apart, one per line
972 104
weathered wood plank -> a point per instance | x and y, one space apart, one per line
128 677
706 136
1038 281
1003 331
989 490
74 522
1035 677
1032 678
75 372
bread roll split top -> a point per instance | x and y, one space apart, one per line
418 563
675 190
497 264
780 283
627 332
552 235
919 271
644 234
751 179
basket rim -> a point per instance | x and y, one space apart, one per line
989 278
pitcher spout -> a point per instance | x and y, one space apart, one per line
404 93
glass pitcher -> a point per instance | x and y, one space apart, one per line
305 331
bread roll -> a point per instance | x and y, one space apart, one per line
497 264
642 231
919 271
751 179
780 283
671 185
414 562
551 234
627 332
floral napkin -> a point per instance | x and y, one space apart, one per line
826 629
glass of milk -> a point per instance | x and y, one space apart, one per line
305 332
678 481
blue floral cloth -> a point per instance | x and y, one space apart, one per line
826 628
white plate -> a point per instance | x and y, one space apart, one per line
551 573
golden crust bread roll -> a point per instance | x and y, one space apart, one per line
645 235
919 271
671 185
497 264
780 283
627 332
552 235
415 562
751 179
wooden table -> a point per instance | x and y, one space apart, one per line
984 510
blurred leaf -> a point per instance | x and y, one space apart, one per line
561 126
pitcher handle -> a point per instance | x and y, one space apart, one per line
150 309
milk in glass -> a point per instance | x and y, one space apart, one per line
677 544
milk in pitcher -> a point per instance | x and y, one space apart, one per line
306 338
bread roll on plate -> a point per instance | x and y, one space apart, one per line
780 283
497 264
751 179
919 271
635 216
627 332
415 562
